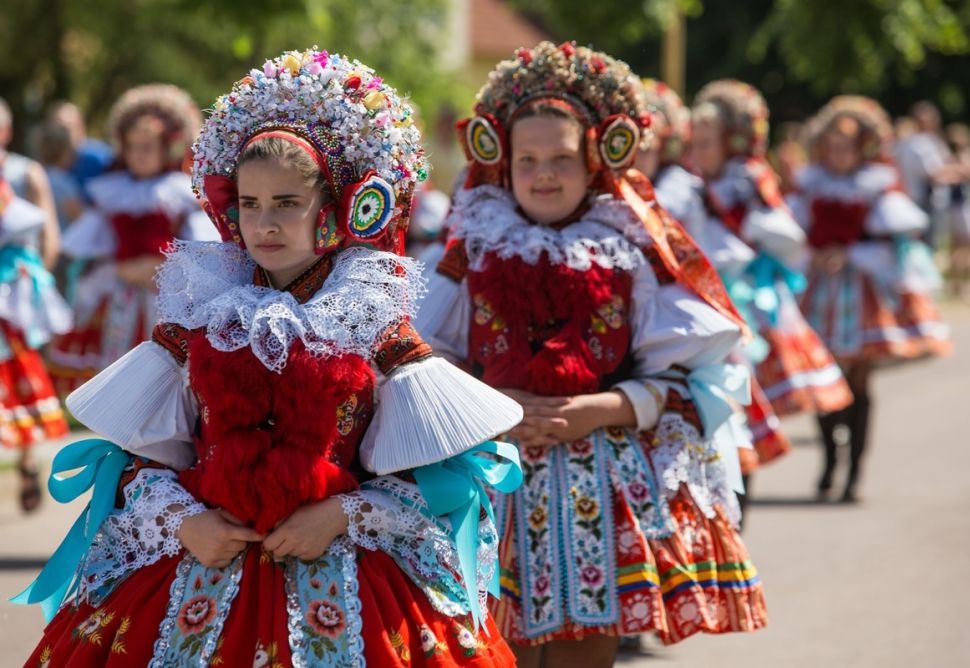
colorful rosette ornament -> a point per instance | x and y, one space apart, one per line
360 131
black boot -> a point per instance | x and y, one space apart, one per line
859 427
827 425
744 498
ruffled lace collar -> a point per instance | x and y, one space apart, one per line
210 285
486 218
864 184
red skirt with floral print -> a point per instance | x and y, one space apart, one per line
399 625
29 409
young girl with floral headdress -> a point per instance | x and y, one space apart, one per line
137 210
31 311
754 242
870 278
681 193
625 522
241 533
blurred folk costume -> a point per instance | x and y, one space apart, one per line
31 312
871 279
263 400
753 240
625 529
136 212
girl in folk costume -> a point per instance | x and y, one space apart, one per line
626 520
870 279
31 311
137 211
753 240
681 193
251 417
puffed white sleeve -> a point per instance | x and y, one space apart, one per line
144 404
670 326
774 230
89 237
444 317
893 213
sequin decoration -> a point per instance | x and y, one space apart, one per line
619 141
483 141
370 207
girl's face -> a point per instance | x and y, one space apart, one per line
707 150
278 213
840 152
549 175
144 150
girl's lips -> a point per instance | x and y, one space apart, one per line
270 248
544 192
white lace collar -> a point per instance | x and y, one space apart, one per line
119 192
863 185
209 284
488 221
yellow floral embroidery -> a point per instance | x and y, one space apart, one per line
90 629
45 656
397 642
118 646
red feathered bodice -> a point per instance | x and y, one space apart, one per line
270 442
547 328
837 222
143 234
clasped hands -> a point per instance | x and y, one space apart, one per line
547 421
215 537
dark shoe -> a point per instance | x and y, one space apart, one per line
30 496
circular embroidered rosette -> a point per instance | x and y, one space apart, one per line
364 118
672 118
742 110
370 205
177 111
874 122
602 91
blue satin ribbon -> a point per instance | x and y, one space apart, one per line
765 271
742 295
717 391
14 260
101 463
454 488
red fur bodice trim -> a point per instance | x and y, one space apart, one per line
546 328
837 222
271 442
144 234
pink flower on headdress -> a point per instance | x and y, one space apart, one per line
374 83
269 69
322 58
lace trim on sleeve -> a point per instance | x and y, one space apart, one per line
138 534
390 515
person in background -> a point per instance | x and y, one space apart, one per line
56 153
92 157
958 272
28 181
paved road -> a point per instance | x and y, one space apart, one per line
880 584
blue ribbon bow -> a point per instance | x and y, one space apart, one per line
717 391
766 270
17 259
101 463
454 488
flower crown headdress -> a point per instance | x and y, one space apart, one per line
170 105
876 128
599 91
744 113
672 129
357 128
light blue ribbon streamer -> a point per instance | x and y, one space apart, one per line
454 488
742 295
101 463
14 260
765 271
717 390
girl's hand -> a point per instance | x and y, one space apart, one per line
308 532
214 539
830 259
551 420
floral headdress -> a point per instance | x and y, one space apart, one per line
359 131
598 90
672 129
874 123
744 113
173 107
605 96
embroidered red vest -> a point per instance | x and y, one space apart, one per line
144 234
837 222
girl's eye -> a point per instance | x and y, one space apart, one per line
287 203
526 159
248 204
